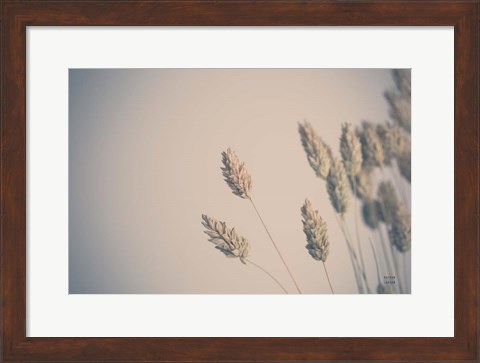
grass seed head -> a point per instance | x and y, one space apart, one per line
236 175
225 239
319 155
372 150
351 150
337 187
315 230
400 230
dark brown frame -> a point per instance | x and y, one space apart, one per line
17 15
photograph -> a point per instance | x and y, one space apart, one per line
233 181
239 181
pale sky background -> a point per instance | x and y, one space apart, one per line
144 165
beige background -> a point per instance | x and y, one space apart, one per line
144 164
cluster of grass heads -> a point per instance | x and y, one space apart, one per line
366 154
366 180
240 182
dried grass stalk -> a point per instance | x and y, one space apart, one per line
236 174
405 164
394 141
372 151
315 230
400 230
337 187
362 184
388 202
400 97
371 212
388 134
238 179
403 81
319 154
225 239
351 150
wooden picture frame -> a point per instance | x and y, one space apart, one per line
18 15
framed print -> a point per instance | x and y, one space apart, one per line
181 180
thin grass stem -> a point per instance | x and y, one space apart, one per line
268 273
355 211
376 262
405 272
395 264
385 253
397 179
328 278
394 257
362 271
353 258
275 245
